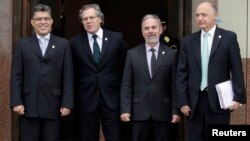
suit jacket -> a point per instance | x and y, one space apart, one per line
42 84
224 64
144 97
96 80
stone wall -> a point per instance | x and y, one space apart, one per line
5 63
241 115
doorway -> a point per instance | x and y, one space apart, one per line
122 16
119 15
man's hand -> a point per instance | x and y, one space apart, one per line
235 105
125 117
19 109
185 110
64 111
175 119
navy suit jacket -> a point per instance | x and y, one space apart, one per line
42 84
224 64
96 80
144 97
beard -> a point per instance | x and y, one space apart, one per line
152 39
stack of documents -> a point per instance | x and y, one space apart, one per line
225 94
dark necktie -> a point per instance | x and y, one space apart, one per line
96 50
153 62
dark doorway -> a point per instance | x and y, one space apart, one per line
119 15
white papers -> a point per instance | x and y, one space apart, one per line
225 94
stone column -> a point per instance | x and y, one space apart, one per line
5 65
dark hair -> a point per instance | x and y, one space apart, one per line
41 7
97 10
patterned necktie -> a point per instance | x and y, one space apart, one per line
204 62
153 62
96 50
43 44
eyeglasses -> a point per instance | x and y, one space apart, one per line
91 18
39 19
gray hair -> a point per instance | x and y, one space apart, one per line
213 5
151 16
97 8
42 8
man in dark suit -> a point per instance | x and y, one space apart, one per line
148 88
99 57
41 80
205 61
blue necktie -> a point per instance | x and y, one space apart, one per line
96 50
43 44
204 62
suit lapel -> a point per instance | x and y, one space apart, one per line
161 55
35 46
216 41
143 59
197 46
52 46
86 46
105 44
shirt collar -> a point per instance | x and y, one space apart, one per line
46 36
99 33
210 32
156 47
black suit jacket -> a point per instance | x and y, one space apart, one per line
42 84
144 97
105 77
224 64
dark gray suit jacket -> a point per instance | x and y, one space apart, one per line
144 97
42 84
224 64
